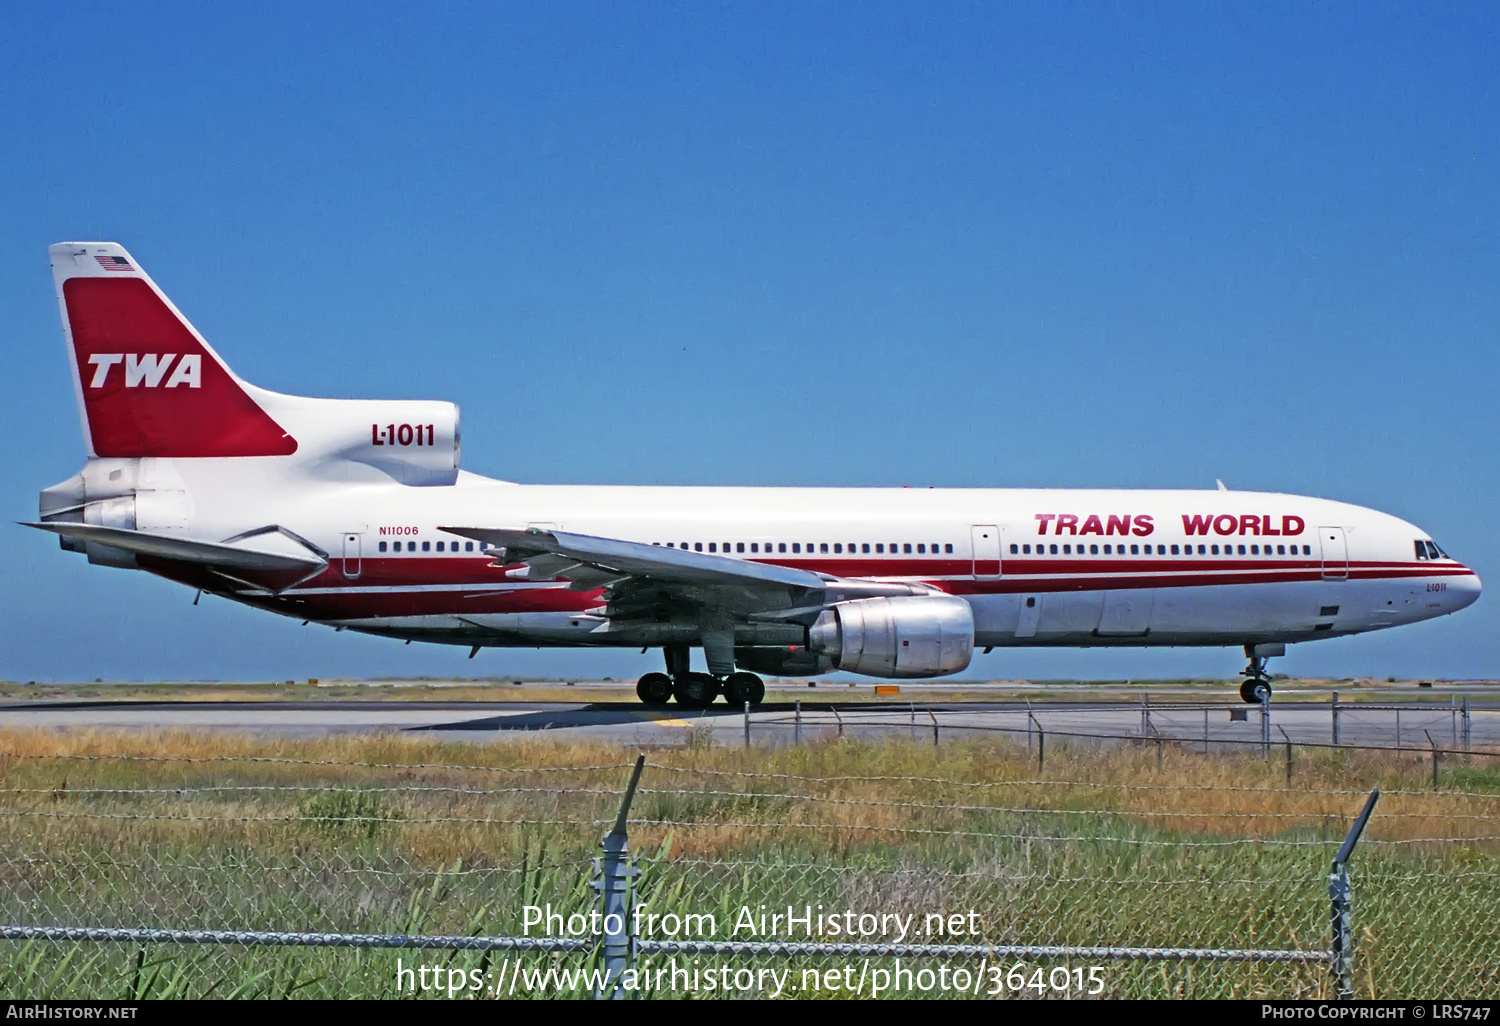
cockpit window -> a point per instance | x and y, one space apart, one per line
1429 550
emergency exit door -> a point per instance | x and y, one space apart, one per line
351 555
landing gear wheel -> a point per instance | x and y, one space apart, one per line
654 689
695 690
1251 690
740 688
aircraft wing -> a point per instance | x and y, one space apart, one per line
549 553
640 577
214 555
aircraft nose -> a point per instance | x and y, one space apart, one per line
1467 588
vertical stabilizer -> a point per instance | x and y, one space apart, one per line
147 383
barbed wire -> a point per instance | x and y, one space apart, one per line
65 792
278 760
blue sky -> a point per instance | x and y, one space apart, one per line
779 243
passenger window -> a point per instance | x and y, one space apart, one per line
739 546
781 547
948 548
1054 550
1093 550
879 548
697 546
711 547
821 548
427 546
1307 550
1108 550
1134 550
921 549
382 546
1242 550
865 547
838 548
1281 550
906 548
1213 550
468 546
440 546
796 546
1014 550
1255 550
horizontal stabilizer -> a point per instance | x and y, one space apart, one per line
218 555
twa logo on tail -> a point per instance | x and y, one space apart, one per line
148 383
148 369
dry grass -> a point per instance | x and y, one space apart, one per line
399 834
461 800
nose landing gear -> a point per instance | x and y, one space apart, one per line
1257 685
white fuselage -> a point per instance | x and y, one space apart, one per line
1065 567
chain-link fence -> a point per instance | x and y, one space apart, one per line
386 866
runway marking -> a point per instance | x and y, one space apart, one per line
672 723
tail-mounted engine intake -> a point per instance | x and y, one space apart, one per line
917 636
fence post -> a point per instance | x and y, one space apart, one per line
1398 726
1433 743
747 724
913 721
1041 748
1205 730
839 720
934 727
1145 713
797 722
1030 719
1288 754
1467 735
613 874
1265 722
1335 717
1341 899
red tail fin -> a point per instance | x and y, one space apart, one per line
148 384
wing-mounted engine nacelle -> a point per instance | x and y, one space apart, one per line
781 661
917 636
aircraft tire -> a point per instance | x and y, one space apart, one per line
695 690
742 687
1251 686
654 689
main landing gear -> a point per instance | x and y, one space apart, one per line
697 690
1257 685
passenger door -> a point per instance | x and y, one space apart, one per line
1335 548
352 554
986 549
